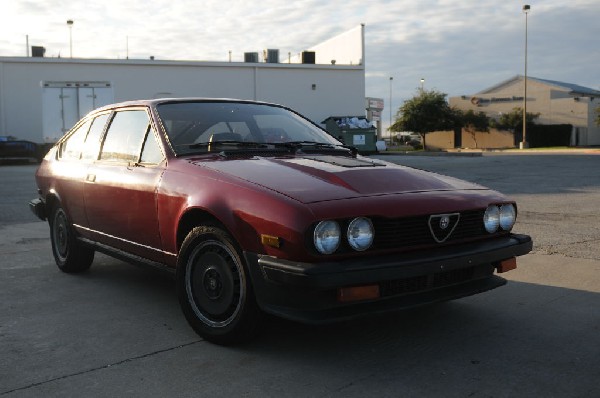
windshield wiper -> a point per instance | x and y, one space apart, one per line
219 144
299 145
291 146
312 143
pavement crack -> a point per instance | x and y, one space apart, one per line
150 354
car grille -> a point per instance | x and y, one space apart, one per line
433 281
409 232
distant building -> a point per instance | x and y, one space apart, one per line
556 102
41 98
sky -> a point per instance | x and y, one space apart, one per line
457 47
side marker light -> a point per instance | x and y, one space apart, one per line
269 240
507 265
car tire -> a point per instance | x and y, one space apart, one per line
70 255
214 288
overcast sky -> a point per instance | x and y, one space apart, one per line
458 47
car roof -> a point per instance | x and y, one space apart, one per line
159 101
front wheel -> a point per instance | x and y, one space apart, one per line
214 289
70 255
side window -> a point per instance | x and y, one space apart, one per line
91 147
151 153
72 146
123 142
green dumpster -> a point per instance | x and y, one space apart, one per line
354 131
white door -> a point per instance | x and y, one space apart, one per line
70 107
91 98
86 100
52 117
103 96
64 106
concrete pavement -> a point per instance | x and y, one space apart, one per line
118 330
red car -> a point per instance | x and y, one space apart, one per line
256 209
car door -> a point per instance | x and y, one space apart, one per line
121 185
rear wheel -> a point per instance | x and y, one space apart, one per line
70 255
214 289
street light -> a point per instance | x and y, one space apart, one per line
390 128
422 81
70 25
524 144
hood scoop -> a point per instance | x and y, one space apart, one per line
344 161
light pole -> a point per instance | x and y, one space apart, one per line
70 25
523 143
390 128
422 82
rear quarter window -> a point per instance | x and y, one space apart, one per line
71 148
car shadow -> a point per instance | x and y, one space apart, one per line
519 337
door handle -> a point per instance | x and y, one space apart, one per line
91 178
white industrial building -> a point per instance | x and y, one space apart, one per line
41 98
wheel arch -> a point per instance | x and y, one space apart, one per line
52 199
193 218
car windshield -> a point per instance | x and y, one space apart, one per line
195 126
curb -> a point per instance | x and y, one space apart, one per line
428 153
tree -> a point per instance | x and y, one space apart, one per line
426 112
474 122
513 120
598 116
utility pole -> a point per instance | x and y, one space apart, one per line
524 144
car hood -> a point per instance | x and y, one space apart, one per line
318 178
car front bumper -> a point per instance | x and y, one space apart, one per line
309 292
38 207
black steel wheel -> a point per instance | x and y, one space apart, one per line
70 255
214 289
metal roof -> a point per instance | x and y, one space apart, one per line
574 89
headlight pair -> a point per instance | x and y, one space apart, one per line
328 235
503 216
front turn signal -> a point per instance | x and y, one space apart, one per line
358 293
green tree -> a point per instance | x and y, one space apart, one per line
598 116
513 120
474 122
426 112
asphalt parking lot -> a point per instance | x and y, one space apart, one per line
118 330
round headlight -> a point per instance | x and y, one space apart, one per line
327 237
491 219
360 233
508 216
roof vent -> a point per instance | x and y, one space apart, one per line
308 57
271 56
38 51
251 57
